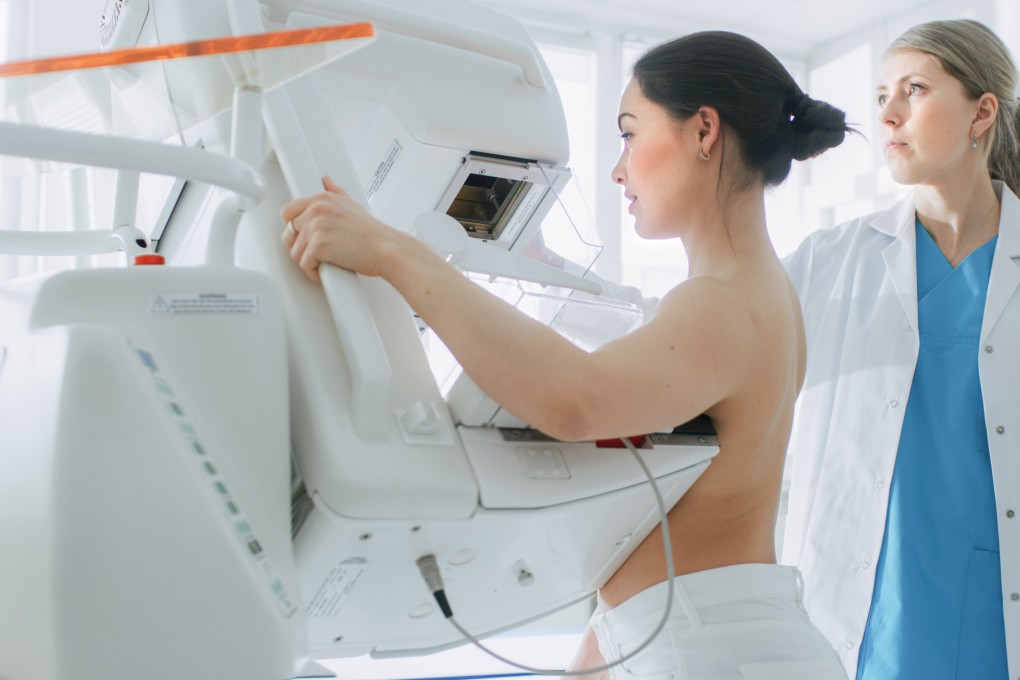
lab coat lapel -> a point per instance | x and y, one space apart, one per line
1005 276
900 255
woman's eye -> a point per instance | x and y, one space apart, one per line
882 99
915 88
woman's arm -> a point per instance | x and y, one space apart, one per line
690 355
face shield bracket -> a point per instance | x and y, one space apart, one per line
499 199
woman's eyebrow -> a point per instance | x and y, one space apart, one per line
909 76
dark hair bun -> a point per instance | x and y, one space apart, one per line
817 126
773 120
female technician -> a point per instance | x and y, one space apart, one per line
906 448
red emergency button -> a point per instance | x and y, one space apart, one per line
150 258
638 441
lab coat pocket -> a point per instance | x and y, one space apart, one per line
982 644
655 666
816 669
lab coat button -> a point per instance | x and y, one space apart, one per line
1010 514
989 349
865 564
1015 597
1000 429
849 644
894 403
879 484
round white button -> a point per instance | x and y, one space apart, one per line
420 611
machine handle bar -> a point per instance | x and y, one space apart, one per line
124 153
426 27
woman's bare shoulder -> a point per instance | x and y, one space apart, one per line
707 299
739 319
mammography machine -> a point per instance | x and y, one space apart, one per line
215 468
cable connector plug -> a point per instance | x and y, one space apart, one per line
429 568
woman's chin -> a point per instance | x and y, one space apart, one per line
650 233
902 175
643 229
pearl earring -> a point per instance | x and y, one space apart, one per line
973 143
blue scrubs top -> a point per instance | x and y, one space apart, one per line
936 612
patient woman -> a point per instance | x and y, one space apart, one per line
708 122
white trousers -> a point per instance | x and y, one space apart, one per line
743 622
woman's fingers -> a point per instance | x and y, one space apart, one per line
308 262
289 235
297 244
292 209
329 227
332 187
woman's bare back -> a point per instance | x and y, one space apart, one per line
728 516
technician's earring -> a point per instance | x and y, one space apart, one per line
702 155
973 142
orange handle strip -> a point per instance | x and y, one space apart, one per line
133 55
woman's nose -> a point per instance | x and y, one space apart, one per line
617 172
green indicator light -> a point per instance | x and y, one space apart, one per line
210 468
175 407
254 547
232 507
198 448
221 487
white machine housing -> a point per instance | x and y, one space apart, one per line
389 465
144 500
521 526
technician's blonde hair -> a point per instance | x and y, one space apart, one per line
972 53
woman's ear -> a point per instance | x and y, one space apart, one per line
709 127
987 110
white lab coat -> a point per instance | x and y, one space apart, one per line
858 289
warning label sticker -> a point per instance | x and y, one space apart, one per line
336 587
382 171
204 303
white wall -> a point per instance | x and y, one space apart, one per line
35 32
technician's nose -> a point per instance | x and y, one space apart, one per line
891 114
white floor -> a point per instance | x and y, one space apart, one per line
549 643
550 651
